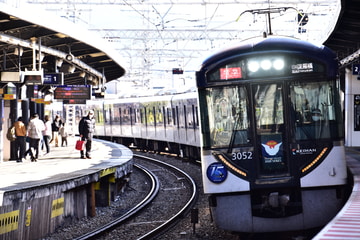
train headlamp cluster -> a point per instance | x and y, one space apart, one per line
255 65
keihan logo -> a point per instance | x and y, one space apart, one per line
272 147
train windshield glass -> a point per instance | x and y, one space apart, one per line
315 110
228 120
268 108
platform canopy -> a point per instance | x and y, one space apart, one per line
345 39
29 34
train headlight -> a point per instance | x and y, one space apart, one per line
265 64
279 64
253 66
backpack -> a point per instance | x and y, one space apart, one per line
10 135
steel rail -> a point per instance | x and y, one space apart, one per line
155 186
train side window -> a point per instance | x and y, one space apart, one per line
131 115
143 116
164 116
174 116
154 115
111 117
159 115
193 112
197 116
169 115
107 115
120 117
185 118
177 116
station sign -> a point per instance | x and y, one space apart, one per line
355 69
74 101
53 78
177 71
72 92
9 96
33 77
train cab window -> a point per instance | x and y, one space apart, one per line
314 113
269 120
229 122
268 108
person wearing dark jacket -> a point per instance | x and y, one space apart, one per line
86 131
55 127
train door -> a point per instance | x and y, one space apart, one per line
270 133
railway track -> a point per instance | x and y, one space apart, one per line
172 194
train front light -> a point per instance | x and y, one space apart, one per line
253 66
265 64
279 64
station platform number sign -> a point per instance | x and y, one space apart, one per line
355 69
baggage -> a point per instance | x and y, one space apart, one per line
80 145
10 134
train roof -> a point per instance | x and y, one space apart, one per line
272 43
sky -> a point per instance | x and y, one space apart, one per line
154 37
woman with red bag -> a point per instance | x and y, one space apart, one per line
86 130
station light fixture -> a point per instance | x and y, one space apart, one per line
19 51
69 57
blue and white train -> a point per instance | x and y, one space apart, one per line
273 156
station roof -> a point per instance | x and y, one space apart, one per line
64 46
345 39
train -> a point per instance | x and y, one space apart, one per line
271 117
166 123
266 122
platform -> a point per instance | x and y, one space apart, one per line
36 197
345 225
60 164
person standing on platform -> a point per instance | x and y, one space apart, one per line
47 133
35 133
55 130
86 130
64 134
20 132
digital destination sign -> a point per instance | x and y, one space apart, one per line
73 92
230 73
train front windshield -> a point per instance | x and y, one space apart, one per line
312 112
229 108
269 123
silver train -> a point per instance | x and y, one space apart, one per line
166 123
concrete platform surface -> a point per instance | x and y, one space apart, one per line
60 164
